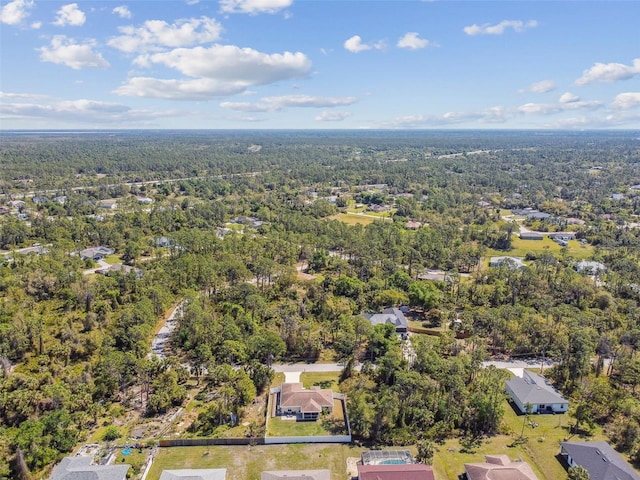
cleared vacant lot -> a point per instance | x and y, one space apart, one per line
247 462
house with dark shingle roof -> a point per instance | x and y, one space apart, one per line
80 468
392 316
499 467
599 459
535 390
411 471
296 475
306 404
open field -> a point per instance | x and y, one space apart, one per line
353 218
519 248
247 462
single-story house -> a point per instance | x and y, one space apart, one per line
531 236
562 236
80 468
108 204
392 316
296 475
162 242
145 200
499 467
61 199
96 253
590 267
538 215
306 404
16 203
617 196
411 471
125 269
411 225
599 459
535 390
195 474
511 262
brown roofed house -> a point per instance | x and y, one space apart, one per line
411 471
499 467
307 404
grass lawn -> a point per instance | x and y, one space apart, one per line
247 462
321 379
519 248
352 219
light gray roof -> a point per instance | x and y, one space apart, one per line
534 389
195 474
80 468
296 475
389 315
602 461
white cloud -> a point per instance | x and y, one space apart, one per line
608 72
568 97
412 40
231 63
79 112
179 89
625 101
331 116
122 11
542 86
155 35
355 45
23 96
13 13
220 70
65 51
270 104
36 25
253 7
499 28
571 103
70 15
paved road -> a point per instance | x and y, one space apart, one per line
164 334
515 366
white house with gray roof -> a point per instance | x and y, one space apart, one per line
599 459
535 390
80 468
391 316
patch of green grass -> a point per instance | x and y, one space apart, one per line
321 379
136 459
352 219
279 427
520 248
248 462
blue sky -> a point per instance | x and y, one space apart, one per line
319 64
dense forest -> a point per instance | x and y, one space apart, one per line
276 243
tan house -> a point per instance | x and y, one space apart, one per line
499 467
306 404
